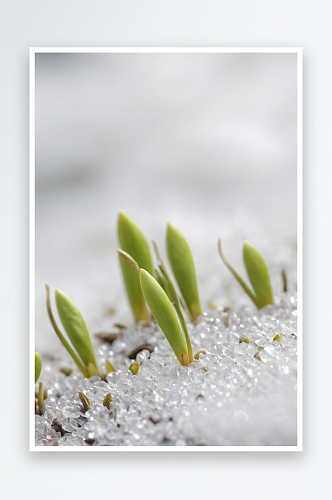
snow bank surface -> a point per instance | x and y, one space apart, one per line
236 393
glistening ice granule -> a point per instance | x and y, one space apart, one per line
237 393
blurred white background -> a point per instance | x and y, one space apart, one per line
207 141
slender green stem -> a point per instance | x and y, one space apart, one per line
173 297
41 398
238 277
175 301
185 330
284 280
61 337
164 313
130 271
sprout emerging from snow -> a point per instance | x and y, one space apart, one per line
77 331
182 263
38 366
257 272
134 244
164 314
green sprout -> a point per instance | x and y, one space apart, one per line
74 324
182 263
41 398
107 401
66 371
257 273
258 356
134 367
133 243
130 271
165 282
38 366
164 314
84 400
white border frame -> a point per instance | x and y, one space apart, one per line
123 50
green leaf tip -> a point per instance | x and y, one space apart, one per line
74 324
133 242
134 367
182 263
66 371
257 273
107 401
77 331
130 271
38 366
84 400
258 356
164 314
63 340
134 245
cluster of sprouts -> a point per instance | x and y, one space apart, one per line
153 296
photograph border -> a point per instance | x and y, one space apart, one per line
123 50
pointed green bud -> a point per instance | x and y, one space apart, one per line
66 371
76 329
133 242
258 356
107 401
236 275
38 366
130 271
134 367
258 275
64 342
84 400
277 337
182 263
164 314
